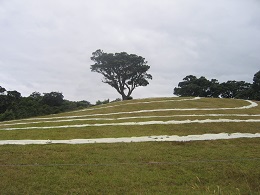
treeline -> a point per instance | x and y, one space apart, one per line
14 106
202 87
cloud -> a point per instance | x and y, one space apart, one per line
47 45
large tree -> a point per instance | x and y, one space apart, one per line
236 89
122 71
193 86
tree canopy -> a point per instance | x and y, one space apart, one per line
124 72
14 106
53 98
202 87
236 89
256 86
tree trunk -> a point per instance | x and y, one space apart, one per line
124 97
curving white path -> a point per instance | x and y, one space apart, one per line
161 138
133 117
171 122
135 103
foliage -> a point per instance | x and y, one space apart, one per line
201 87
14 106
117 100
193 86
102 102
36 96
122 71
2 90
256 86
236 89
53 99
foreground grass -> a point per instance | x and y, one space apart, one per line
229 166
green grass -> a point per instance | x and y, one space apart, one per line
201 103
130 131
200 167
139 168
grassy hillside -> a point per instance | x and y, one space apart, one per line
198 167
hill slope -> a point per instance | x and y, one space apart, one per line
147 117
198 167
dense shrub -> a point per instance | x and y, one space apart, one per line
14 106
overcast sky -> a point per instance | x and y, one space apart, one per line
46 45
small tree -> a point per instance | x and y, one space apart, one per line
122 71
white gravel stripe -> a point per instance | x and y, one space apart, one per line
161 138
171 122
134 117
134 103
252 104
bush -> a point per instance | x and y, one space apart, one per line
7 115
102 102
